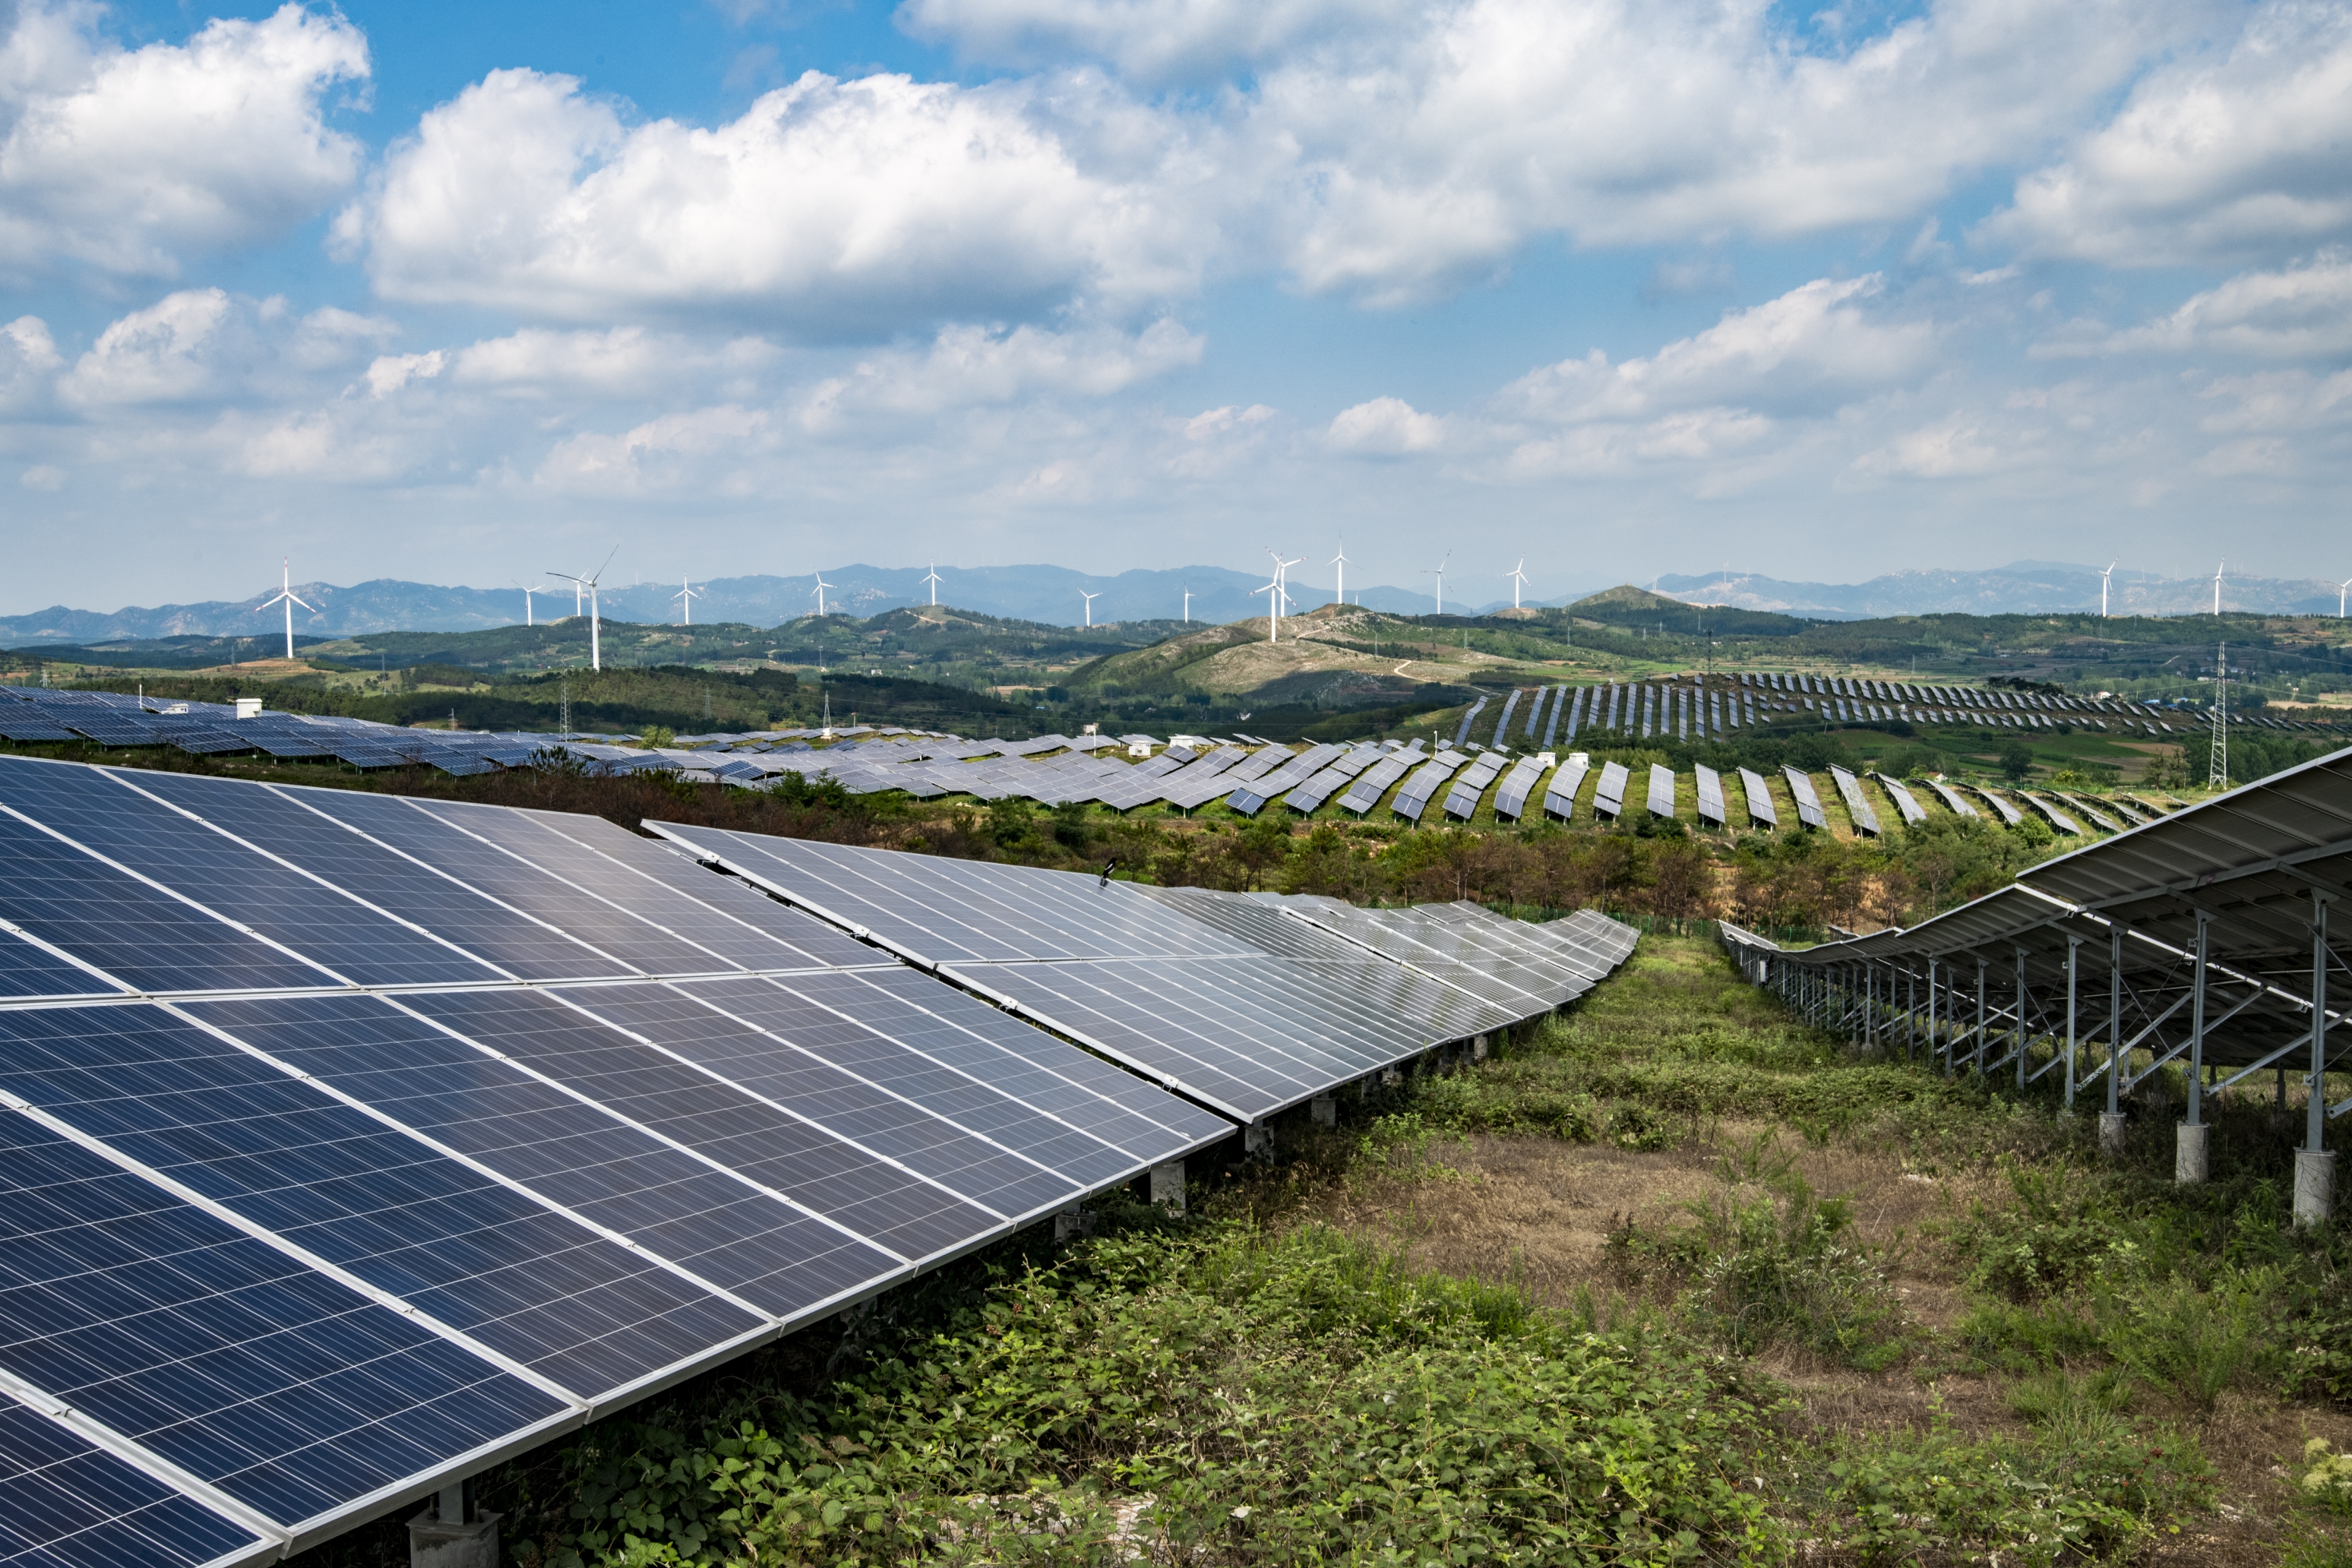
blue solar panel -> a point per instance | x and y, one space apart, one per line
134 932
572 1155
92 808
289 1392
516 946
531 1284
72 1505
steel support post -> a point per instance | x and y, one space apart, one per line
2022 1036
2111 1121
2074 962
1870 1007
1935 1038
2315 1162
1910 1013
2193 1147
1976 1060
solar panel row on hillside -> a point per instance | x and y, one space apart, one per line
532 1115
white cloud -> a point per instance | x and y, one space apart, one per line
28 364
1386 427
1429 160
155 355
43 476
389 372
1952 448
966 366
122 160
1807 351
2300 313
843 208
2226 155
702 448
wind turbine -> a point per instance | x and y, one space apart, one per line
2103 589
1090 599
1281 599
1188 606
687 595
820 586
933 579
2340 590
2217 589
1339 584
588 585
1519 581
286 596
1438 571
527 592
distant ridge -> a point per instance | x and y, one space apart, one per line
2019 588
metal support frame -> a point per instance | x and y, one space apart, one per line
2197 1024
2073 962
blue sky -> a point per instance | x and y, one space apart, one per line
466 294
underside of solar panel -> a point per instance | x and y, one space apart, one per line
351 1143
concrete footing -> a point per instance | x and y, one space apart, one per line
2192 1152
434 1544
2314 1185
1073 1222
1325 1110
1168 1185
2111 1134
1257 1141
1478 1049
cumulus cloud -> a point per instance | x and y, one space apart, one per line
1805 352
161 355
2230 154
1385 427
2299 312
839 208
126 160
965 365
1492 122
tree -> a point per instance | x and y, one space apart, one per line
2016 761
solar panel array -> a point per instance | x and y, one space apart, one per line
1236 1001
351 1143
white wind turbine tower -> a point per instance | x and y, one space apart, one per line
588 587
686 595
1281 599
820 586
1090 599
1339 583
933 578
1438 571
286 596
2340 590
1188 606
1519 581
527 618
2217 589
2103 589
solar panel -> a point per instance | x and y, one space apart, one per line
1902 797
1951 799
71 1504
1710 793
1662 790
1809 803
1559 799
1858 810
1761 813
1609 796
288 1391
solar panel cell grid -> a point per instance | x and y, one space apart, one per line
71 1505
568 1154
286 1390
528 1283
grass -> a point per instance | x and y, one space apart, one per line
1673 1279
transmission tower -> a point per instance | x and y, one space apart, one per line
2217 772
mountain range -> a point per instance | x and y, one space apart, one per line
1055 595
2019 588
